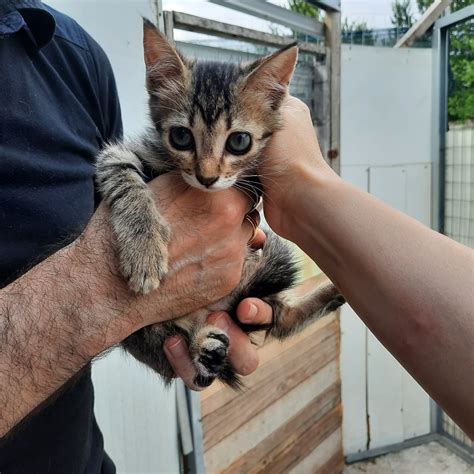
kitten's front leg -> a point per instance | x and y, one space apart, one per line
141 233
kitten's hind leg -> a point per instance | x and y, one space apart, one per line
141 233
296 308
209 351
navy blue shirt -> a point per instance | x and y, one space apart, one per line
58 105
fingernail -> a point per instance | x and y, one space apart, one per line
222 323
176 347
252 312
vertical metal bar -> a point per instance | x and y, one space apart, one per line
443 123
184 422
196 459
435 135
333 41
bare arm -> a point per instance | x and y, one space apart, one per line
74 305
410 285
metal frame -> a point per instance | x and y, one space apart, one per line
410 443
328 5
440 126
440 103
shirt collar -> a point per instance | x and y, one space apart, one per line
30 15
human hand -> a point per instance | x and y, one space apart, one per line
290 157
243 354
206 254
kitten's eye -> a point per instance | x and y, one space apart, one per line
238 143
181 138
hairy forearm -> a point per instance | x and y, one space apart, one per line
75 304
412 286
50 327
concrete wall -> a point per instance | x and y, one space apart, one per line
386 150
136 414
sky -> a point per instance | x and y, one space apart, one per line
375 12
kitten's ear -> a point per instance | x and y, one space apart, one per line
163 62
273 73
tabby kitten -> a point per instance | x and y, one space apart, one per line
211 122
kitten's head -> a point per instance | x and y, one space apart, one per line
214 118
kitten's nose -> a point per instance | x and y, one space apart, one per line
208 182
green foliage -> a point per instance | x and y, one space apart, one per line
354 26
455 6
305 8
423 5
461 72
460 4
402 15
358 32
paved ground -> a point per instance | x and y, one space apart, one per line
431 458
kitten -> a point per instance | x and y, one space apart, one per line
211 122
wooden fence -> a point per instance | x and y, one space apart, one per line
289 417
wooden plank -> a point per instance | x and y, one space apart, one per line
265 423
224 421
219 395
432 13
196 24
169 25
295 439
281 377
334 466
316 432
322 456
274 13
333 42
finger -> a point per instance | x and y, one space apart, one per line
177 354
254 311
259 240
243 355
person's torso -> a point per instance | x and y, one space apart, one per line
53 119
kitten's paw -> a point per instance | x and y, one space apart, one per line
210 355
144 264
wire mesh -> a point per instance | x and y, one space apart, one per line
459 164
452 430
459 182
383 37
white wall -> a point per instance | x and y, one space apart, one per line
386 150
135 413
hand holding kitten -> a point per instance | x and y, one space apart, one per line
206 254
291 152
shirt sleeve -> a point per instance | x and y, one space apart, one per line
111 117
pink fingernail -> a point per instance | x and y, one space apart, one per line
253 310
